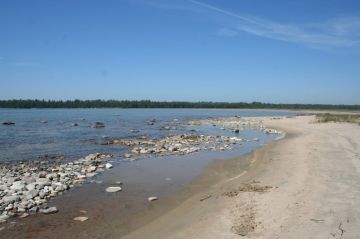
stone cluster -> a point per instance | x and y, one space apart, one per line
175 144
26 188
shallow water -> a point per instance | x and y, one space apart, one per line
29 138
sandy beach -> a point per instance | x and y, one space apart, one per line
304 186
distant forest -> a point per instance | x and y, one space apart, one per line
162 104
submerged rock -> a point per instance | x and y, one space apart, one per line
99 125
50 210
8 123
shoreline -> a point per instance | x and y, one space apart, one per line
203 191
312 193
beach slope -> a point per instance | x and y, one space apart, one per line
304 186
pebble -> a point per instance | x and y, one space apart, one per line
150 199
108 165
81 219
113 189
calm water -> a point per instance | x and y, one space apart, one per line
29 138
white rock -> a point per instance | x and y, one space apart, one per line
81 219
18 185
108 165
113 189
30 186
150 199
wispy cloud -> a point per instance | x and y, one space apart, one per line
340 32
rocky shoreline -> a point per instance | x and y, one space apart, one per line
27 187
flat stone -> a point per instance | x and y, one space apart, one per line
4 218
18 185
50 210
113 189
30 186
24 215
108 165
81 219
10 199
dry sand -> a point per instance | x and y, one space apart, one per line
304 186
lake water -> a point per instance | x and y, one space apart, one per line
31 138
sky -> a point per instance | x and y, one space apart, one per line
282 51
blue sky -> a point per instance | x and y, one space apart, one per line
225 50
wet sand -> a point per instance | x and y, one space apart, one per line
312 178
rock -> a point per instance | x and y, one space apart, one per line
42 194
10 199
50 210
91 169
108 165
8 123
4 218
43 181
113 189
81 219
150 199
74 124
118 183
99 125
43 121
20 209
18 186
34 209
128 156
9 207
32 193
24 215
30 186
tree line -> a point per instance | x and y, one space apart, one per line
27 104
